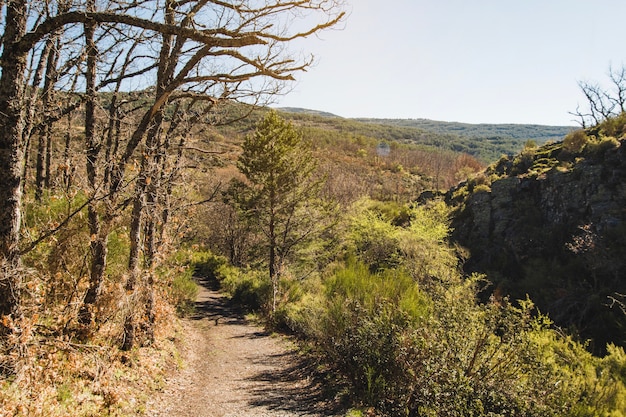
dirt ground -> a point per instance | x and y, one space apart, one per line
233 368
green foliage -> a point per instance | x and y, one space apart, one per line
614 126
596 148
118 250
206 264
362 326
275 159
183 292
251 289
281 197
177 275
413 238
375 240
445 354
575 141
369 290
596 385
523 161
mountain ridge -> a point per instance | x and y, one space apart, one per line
487 142
513 130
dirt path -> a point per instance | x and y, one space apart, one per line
235 369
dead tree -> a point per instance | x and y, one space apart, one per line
602 103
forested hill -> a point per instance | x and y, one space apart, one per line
523 132
485 141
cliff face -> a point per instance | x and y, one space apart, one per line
552 224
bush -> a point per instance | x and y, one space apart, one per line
407 352
575 141
183 292
414 340
614 126
523 161
362 329
250 289
597 148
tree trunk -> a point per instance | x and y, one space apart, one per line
39 166
48 175
99 235
11 147
137 224
272 267
13 65
67 164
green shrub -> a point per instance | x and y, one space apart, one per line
597 148
595 386
375 240
614 126
118 253
207 264
406 352
301 317
369 290
482 188
183 292
523 161
250 289
575 141
414 340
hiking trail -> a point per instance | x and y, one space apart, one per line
234 368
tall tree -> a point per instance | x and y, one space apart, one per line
282 193
12 94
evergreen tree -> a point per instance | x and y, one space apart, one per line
281 197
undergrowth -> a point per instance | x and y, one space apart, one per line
59 374
405 331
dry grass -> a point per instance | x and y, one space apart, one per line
63 378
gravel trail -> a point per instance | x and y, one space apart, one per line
233 368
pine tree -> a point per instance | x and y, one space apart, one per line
281 196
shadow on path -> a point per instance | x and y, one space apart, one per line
292 384
295 387
215 306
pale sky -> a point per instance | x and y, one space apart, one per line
474 61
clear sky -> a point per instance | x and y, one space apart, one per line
474 61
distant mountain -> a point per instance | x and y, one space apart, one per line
523 132
486 141
306 111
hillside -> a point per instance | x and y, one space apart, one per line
486 142
348 155
550 223
522 132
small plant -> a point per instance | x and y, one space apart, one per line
64 394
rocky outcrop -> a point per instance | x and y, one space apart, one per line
556 232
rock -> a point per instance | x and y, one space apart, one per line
555 234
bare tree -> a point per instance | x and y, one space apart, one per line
602 103
211 49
